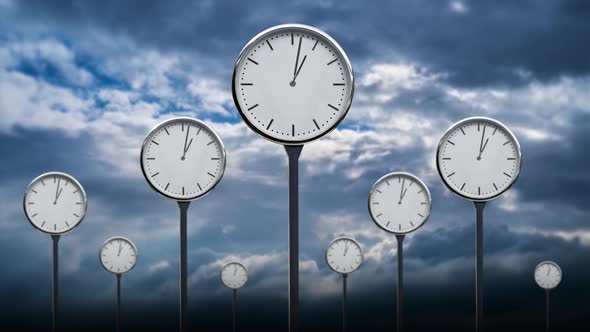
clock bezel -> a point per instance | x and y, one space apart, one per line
416 179
118 238
496 123
308 29
339 238
180 119
231 263
71 179
551 263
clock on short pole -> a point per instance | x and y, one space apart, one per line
292 84
234 276
118 255
344 255
478 159
55 203
183 159
547 276
399 203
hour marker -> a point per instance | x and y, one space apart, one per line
379 215
463 131
463 186
151 158
420 215
43 183
339 84
268 126
331 62
495 186
33 215
247 84
155 142
420 191
198 185
508 175
215 158
253 107
182 126
293 129
423 203
254 62
31 203
316 124
183 190
67 224
510 158
333 107
54 227
446 158
399 226
506 142
377 190
33 190
450 142
155 174
411 223
210 142
375 203
167 185
79 203
291 38
478 126
198 131
75 191
43 223
451 174
211 174
166 130
269 45
479 190
495 129
75 215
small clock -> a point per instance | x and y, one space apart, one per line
183 158
548 275
234 275
344 255
478 158
292 84
399 203
118 255
55 203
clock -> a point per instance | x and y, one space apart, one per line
234 275
478 158
344 255
182 158
292 84
55 203
399 203
548 275
118 255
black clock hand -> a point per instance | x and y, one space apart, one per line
346 249
297 67
298 70
57 192
548 270
120 248
235 269
482 145
402 192
185 141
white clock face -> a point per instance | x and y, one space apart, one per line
292 84
399 203
183 158
478 158
118 255
55 203
344 255
234 275
547 275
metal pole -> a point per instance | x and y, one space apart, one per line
118 302
183 266
233 308
400 280
344 304
479 265
293 152
55 307
547 310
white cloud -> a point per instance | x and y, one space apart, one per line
458 7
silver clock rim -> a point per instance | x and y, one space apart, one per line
417 179
554 264
483 119
231 263
344 237
118 238
307 28
163 124
73 180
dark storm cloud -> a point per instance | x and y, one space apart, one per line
491 42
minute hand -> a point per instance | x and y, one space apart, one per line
482 145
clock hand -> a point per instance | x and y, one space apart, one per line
185 140
120 248
298 70
235 269
295 72
346 249
57 192
482 146
402 192
548 270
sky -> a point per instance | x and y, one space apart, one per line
82 83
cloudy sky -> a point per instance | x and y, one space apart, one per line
82 83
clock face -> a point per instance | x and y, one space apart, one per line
344 255
478 158
234 275
55 203
118 255
292 84
399 203
547 275
183 158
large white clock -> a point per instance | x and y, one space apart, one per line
399 203
55 203
118 255
234 275
292 84
478 158
344 255
548 275
183 158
